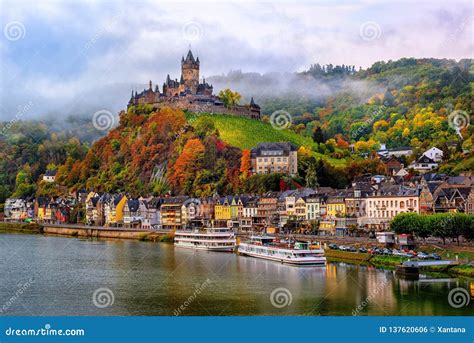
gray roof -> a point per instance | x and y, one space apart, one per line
286 147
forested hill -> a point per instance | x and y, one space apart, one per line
334 110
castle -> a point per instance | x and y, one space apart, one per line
189 94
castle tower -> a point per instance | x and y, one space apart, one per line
190 72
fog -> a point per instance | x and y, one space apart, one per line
59 59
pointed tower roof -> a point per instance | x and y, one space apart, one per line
253 104
190 57
182 79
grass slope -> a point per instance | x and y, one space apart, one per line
246 133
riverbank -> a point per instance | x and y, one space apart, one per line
88 232
465 269
21 227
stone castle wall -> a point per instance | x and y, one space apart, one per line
207 107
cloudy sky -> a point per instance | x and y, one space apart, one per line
72 57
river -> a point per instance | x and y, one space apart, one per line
48 275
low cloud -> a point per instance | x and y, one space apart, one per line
80 57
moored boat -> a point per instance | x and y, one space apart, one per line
215 239
297 253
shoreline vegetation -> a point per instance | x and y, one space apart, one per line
381 261
463 269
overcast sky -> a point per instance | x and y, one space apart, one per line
67 57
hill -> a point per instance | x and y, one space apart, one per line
409 102
246 133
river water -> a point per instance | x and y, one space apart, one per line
47 275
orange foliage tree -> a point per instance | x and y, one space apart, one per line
245 163
187 164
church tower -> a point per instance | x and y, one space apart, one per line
190 72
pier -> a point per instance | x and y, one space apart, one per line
413 267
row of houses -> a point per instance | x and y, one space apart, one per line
369 204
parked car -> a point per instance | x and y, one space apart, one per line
423 256
376 251
362 250
351 249
435 256
333 246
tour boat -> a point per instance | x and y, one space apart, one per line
267 247
215 239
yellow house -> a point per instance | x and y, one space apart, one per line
40 214
336 207
114 210
328 226
222 209
41 205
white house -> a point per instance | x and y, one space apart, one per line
382 208
50 176
397 152
434 153
424 164
312 208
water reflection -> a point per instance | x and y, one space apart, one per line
156 279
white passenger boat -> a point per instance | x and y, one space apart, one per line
267 247
216 239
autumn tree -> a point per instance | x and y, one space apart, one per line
187 164
245 164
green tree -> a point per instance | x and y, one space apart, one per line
24 185
404 223
318 135
311 176
229 98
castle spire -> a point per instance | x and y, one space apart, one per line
151 85
190 57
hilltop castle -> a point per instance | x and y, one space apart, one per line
189 94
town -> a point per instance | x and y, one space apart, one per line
367 207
